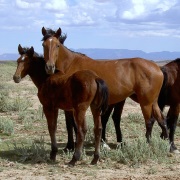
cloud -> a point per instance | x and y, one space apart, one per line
25 4
56 5
145 16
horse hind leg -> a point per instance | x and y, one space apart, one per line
51 116
117 119
70 124
149 120
104 120
172 118
79 116
97 134
157 114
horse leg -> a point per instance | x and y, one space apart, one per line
172 118
149 120
79 115
157 114
70 124
97 134
51 116
104 120
118 108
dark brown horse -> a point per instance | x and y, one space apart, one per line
75 92
125 77
170 96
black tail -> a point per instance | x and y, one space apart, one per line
164 91
102 95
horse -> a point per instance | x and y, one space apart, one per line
170 96
70 125
137 78
73 92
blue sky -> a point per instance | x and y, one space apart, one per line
148 25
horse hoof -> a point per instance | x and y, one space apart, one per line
53 158
176 151
71 163
93 162
105 146
68 149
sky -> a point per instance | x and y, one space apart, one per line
147 25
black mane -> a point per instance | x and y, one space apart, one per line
25 50
62 38
51 32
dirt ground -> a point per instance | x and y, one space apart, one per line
11 170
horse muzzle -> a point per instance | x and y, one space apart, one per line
16 79
50 68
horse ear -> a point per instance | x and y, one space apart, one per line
20 49
58 33
30 52
44 31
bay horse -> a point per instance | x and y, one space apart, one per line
70 125
75 92
135 77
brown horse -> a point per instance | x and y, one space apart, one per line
70 125
74 92
125 77
170 96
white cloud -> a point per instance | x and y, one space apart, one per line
56 5
26 4
125 15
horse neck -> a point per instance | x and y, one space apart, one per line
69 61
65 59
37 72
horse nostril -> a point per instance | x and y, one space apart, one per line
50 68
16 79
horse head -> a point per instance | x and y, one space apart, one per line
23 63
51 44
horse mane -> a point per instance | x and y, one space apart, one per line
25 50
62 38
51 32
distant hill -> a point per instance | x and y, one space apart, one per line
125 53
9 56
114 54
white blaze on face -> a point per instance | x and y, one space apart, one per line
50 47
23 57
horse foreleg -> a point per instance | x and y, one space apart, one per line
97 134
172 118
118 108
51 116
70 124
79 116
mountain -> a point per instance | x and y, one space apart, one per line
125 53
113 54
9 56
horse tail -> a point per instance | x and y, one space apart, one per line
102 95
162 99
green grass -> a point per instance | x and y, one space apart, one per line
6 126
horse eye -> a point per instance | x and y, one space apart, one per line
43 44
58 46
